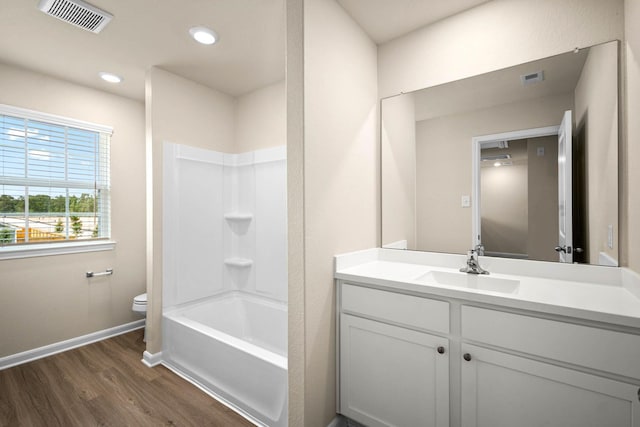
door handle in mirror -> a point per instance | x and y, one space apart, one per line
565 249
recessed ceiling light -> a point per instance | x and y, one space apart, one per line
203 35
109 77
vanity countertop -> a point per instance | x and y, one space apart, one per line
593 293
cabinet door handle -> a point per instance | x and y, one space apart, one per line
440 350
466 357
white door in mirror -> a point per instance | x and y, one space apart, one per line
565 208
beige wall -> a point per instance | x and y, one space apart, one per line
631 176
45 300
596 110
341 192
183 112
543 198
295 212
443 149
398 147
494 35
260 119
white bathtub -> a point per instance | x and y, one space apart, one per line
234 346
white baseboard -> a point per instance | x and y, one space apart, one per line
59 347
151 359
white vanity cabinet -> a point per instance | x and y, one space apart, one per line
502 390
407 359
530 371
392 372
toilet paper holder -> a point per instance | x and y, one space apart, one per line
107 272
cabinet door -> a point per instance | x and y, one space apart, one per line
501 390
391 376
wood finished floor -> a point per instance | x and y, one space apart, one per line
105 384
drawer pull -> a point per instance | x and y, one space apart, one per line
466 357
440 350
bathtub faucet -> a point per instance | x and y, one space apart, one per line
473 265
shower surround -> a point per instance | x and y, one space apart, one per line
225 276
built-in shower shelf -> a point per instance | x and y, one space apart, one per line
238 262
238 216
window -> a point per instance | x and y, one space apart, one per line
54 179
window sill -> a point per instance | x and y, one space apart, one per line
47 249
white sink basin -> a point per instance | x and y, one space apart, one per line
470 281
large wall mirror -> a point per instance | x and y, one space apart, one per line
523 161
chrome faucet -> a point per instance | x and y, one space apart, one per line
473 266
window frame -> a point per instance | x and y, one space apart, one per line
14 251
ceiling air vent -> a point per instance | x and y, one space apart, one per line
526 79
76 12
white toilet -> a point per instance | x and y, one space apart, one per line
140 306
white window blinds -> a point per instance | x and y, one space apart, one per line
54 178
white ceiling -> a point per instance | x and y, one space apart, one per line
145 33
384 20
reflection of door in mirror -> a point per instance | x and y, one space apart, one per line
565 196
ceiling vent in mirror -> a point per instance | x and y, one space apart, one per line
532 77
77 12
